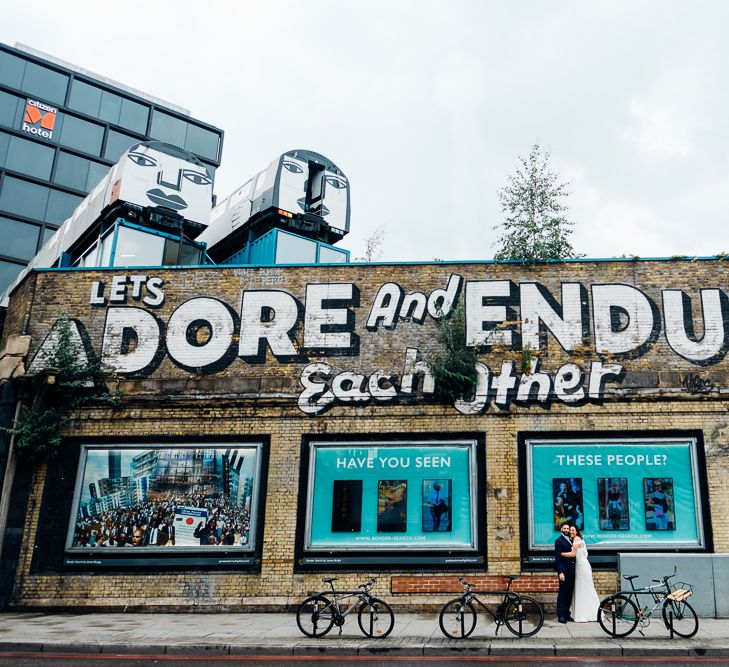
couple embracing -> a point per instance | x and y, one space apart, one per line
577 599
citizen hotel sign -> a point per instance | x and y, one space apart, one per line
605 325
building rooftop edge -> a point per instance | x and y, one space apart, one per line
577 260
138 93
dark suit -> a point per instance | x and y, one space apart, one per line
564 566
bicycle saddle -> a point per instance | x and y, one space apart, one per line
328 580
511 577
630 577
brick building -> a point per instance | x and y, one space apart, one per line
304 395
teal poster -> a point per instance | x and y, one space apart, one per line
391 497
627 494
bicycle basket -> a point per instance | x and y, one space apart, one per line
680 591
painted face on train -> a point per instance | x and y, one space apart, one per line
296 193
157 178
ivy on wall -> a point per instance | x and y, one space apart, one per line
68 381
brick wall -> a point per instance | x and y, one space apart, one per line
241 398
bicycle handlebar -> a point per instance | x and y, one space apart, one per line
369 584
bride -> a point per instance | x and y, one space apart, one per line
584 599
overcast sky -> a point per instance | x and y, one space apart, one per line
425 106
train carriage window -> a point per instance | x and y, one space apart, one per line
315 188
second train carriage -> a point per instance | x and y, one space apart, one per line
301 192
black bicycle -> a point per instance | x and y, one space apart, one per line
322 611
522 614
621 613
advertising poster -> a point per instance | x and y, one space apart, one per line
391 496
612 500
164 497
640 493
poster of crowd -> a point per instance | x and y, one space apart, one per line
164 498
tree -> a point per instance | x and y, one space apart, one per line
373 246
535 226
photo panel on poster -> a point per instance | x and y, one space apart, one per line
437 506
567 492
660 509
613 503
392 506
176 498
623 493
347 506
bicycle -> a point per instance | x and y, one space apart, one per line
318 613
522 614
620 614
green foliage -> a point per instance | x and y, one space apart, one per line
454 369
77 382
535 226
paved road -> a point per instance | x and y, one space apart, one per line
64 660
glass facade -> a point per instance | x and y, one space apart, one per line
48 166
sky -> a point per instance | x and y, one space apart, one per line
426 106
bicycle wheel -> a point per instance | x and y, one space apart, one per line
683 617
375 618
457 619
617 615
524 617
315 616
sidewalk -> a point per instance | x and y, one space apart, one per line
277 634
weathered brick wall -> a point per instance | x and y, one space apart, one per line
240 398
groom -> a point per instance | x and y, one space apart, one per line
566 572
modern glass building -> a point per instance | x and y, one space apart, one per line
61 129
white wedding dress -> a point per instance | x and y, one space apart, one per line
584 599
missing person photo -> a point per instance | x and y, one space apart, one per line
660 512
568 507
347 506
612 501
392 506
437 506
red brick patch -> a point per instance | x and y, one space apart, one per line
538 583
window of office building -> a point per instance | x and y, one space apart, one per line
27 157
78 172
8 272
116 144
23 198
202 142
47 84
134 116
60 206
11 69
11 109
35 201
81 135
19 238
168 129
109 107
47 233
